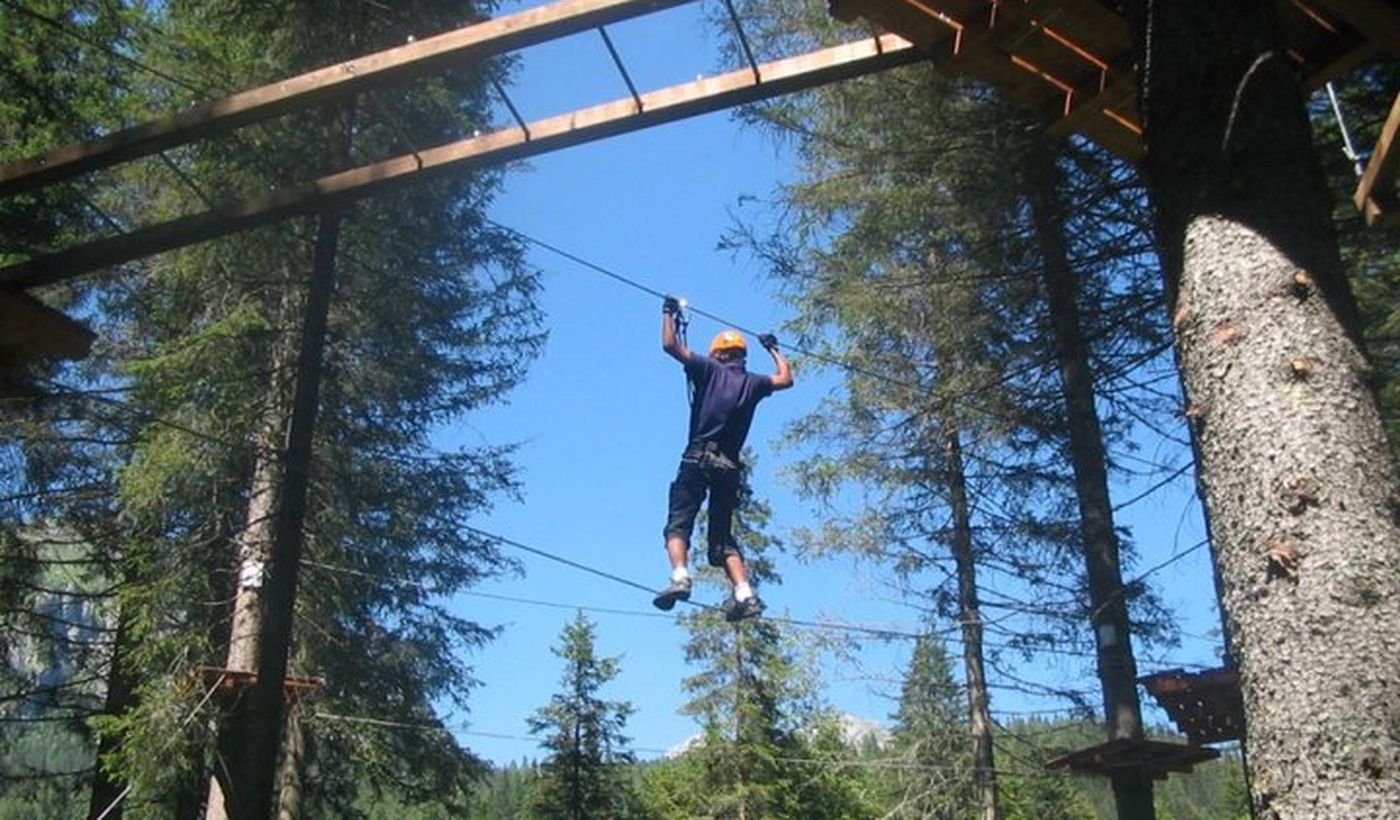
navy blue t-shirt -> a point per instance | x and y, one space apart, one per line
725 397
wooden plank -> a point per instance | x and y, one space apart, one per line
431 54
1094 26
1342 64
996 55
1030 71
914 23
1375 193
551 134
1108 118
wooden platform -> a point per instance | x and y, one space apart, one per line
1206 706
1072 60
231 681
1157 757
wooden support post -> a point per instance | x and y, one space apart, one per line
252 731
1375 194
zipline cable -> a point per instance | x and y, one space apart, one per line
834 762
633 283
490 536
1000 380
829 626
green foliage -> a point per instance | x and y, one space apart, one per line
433 317
43 768
767 749
581 777
505 794
53 92
672 789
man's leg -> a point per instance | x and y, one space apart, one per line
678 550
687 492
724 496
734 568
724 551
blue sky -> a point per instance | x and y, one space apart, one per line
601 419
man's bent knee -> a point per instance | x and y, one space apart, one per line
716 554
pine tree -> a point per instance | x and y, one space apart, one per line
920 249
582 777
933 778
431 317
768 748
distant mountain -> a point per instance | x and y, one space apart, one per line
857 731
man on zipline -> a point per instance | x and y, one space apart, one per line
722 402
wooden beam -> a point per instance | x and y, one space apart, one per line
586 125
1376 20
1108 117
32 330
432 54
1006 56
1375 194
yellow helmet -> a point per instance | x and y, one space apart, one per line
728 340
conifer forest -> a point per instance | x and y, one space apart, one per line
267 357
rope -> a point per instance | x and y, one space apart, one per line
827 626
844 762
1347 148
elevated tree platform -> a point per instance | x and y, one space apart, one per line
229 682
1072 60
1206 706
1158 758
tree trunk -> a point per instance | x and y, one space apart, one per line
254 543
105 800
253 548
1299 481
740 681
1117 667
978 703
290 787
251 733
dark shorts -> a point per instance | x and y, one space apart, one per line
705 470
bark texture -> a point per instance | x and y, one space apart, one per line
978 702
1298 478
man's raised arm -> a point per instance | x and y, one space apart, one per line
670 341
782 378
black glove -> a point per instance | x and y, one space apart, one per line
769 341
671 305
